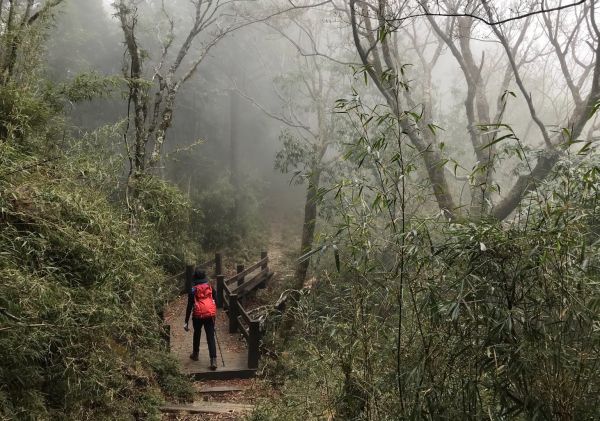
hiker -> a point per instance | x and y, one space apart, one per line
202 307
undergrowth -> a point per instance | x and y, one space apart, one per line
80 298
425 318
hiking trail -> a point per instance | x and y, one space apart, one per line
231 391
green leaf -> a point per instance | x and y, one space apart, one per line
501 138
585 149
595 108
433 128
377 201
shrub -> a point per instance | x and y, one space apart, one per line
80 300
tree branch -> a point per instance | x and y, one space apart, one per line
489 21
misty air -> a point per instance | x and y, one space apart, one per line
299 210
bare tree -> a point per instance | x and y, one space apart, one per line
307 96
152 93
370 31
375 26
457 36
585 92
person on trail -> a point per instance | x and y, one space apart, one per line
201 306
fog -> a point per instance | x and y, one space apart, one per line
254 84
246 61
422 175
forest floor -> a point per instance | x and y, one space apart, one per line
213 393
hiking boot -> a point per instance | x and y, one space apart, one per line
213 363
194 356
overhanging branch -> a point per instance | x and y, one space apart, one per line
488 21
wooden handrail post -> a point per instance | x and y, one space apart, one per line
240 268
220 290
189 274
233 313
218 264
254 344
263 255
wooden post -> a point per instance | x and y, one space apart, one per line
220 290
218 265
233 313
189 274
263 254
240 268
254 344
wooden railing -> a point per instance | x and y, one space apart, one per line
231 292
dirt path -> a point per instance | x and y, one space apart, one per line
181 341
284 243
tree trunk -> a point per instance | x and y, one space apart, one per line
375 68
308 236
308 226
545 163
165 123
8 49
234 159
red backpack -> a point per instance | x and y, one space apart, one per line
204 305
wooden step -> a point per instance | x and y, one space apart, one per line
208 407
223 374
221 389
236 367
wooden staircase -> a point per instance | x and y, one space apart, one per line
210 406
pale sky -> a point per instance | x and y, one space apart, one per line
107 4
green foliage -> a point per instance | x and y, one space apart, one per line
80 297
33 112
166 214
220 221
85 296
87 86
431 320
294 154
83 153
24 112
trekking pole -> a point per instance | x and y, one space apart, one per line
218 343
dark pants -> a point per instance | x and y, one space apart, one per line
209 329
